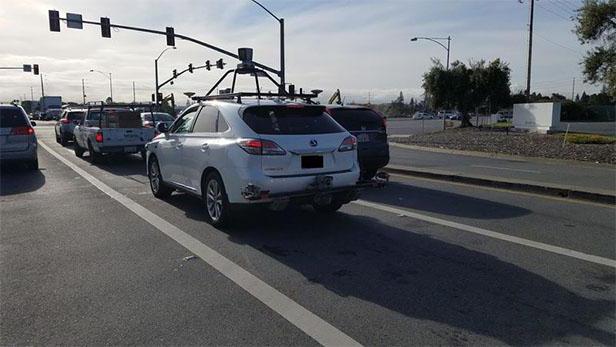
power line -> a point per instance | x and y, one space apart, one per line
555 13
559 44
558 5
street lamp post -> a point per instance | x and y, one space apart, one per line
437 41
282 67
156 73
108 75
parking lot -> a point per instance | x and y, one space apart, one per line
419 262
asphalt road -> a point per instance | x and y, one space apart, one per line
585 175
78 267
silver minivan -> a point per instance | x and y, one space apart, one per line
17 138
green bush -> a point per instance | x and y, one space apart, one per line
590 139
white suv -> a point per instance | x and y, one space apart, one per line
267 151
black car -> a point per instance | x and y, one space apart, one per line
370 129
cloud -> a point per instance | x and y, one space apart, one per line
360 47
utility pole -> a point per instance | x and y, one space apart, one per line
573 90
42 87
31 94
83 90
134 98
530 47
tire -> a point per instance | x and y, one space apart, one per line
157 185
143 154
94 156
63 141
33 165
329 208
78 150
217 207
368 174
57 137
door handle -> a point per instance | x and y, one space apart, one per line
205 147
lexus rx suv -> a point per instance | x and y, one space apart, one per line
269 152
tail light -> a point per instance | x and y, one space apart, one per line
261 147
27 130
349 144
99 137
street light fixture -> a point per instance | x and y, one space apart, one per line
437 41
282 68
156 72
108 75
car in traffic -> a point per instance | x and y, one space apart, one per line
370 129
17 138
64 127
151 119
52 114
422 115
111 130
267 152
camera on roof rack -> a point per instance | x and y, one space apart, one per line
245 56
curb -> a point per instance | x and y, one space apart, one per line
570 192
497 155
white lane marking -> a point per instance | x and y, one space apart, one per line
504 237
505 168
311 324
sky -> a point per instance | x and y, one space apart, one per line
362 47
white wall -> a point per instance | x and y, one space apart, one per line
536 117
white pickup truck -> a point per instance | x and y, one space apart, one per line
111 130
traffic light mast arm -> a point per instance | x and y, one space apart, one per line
183 37
180 73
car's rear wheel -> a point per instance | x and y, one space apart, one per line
158 186
57 138
33 165
216 201
94 156
63 140
331 207
78 150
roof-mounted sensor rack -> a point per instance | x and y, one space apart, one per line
247 67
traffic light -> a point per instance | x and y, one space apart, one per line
175 73
27 67
190 68
220 64
170 37
105 27
208 66
35 69
54 20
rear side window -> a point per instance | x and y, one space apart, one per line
12 117
358 119
206 122
74 116
116 119
283 120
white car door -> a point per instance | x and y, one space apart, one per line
170 147
200 144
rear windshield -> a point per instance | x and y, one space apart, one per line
282 120
357 119
75 115
165 117
117 118
12 117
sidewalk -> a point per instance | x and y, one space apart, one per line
596 182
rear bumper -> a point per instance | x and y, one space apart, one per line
120 149
27 155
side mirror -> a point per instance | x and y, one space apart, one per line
162 127
33 123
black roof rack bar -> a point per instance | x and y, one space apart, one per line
254 94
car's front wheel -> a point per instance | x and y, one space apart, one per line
158 186
216 201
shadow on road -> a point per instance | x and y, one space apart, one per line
17 179
442 202
118 164
418 276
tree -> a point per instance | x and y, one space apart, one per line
597 25
465 88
